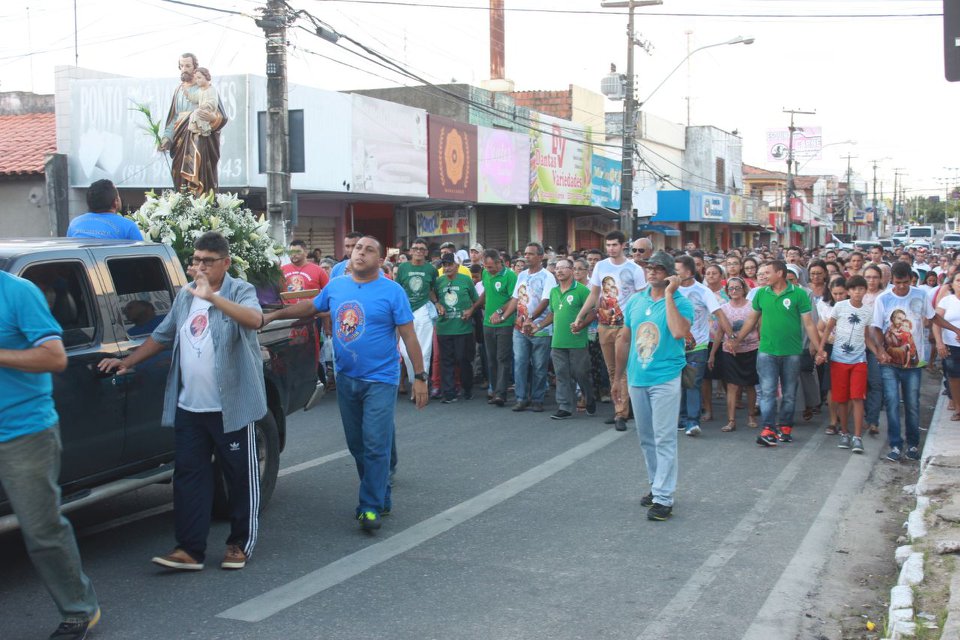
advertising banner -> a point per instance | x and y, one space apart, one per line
714 207
452 159
108 136
560 161
736 210
389 143
605 182
443 223
503 167
807 143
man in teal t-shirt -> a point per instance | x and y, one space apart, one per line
456 303
651 356
498 284
571 360
417 277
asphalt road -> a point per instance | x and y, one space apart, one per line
505 526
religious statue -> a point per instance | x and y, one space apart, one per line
192 131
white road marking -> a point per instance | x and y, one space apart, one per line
781 614
164 508
276 600
664 623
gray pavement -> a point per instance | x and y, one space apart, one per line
505 526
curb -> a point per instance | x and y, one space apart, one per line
900 615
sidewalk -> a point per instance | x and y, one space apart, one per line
928 590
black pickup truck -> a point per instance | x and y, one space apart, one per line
108 296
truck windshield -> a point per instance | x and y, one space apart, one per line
921 232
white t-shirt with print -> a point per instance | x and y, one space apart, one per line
617 283
951 307
900 320
704 303
849 345
528 292
199 390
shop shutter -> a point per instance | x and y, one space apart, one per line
492 227
317 232
554 229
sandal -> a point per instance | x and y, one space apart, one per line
730 426
874 430
951 407
831 430
955 417
706 417
752 423
807 415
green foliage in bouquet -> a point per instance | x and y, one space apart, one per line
178 219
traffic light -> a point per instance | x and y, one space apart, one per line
951 40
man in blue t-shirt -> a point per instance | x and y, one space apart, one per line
651 356
30 350
103 222
366 312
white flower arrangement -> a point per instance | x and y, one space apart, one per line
178 219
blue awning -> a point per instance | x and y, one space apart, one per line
658 228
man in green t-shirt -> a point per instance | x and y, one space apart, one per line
498 284
456 302
785 310
571 360
417 277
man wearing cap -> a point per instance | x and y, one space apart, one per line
476 254
417 277
449 247
786 310
456 302
650 359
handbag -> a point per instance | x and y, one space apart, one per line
688 377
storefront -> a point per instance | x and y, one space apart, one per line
701 216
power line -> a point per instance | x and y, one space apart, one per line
646 14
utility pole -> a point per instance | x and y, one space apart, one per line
876 211
851 202
897 172
791 164
274 23
629 116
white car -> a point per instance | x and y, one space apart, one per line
950 241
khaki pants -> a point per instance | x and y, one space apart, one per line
608 340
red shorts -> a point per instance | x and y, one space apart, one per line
848 381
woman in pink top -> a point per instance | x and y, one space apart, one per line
738 368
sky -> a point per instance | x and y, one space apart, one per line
873 81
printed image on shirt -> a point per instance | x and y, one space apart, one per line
450 300
523 306
609 309
898 340
295 282
415 283
849 343
648 337
350 321
701 315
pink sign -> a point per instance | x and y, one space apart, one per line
503 167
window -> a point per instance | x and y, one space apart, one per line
295 145
144 293
67 290
721 171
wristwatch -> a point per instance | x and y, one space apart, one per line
422 376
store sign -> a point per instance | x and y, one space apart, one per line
503 165
452 159
108 137
560 161
736 210
605 182
443 223
389 143
712 207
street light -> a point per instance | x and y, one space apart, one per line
737 40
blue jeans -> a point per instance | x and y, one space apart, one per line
772 370
366 409
896 380
654 409
690 400
29 468
874 390
530 351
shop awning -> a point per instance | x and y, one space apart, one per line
658 228
799 228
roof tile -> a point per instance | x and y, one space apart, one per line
25 140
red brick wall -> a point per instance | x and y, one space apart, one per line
554 103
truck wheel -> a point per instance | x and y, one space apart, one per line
268 456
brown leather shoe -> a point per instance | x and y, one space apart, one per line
234 558
180 560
